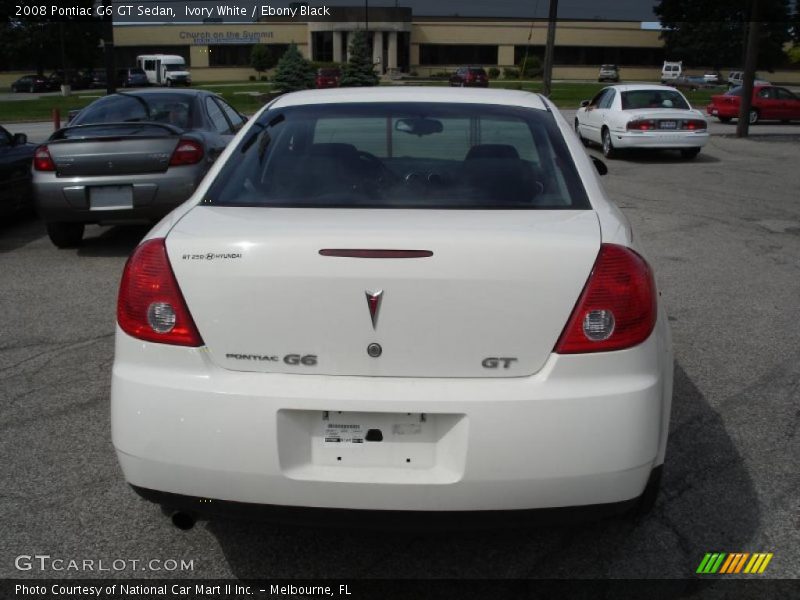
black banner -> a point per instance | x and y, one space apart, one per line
712 588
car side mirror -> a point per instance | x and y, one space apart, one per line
585 103
20 139
601 167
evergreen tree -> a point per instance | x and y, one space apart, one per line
358 71
261 58
294 72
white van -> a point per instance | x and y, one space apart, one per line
671 70
164 69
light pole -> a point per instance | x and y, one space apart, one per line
551 42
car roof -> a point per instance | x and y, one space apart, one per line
412 94
184 91
641 87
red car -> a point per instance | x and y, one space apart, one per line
469 77
769 103
328 78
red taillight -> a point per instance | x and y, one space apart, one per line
42 161
187 152
694 124
150 305
617 308
641 125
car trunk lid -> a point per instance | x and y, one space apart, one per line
113 149
487 295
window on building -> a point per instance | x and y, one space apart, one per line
519 53
322 46
125 56
454 54
595 55
229 55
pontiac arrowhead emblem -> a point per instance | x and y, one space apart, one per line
374 305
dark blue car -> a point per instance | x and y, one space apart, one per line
133 77
16 155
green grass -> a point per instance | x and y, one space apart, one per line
564 95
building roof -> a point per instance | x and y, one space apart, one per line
413 94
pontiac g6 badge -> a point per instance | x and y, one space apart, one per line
374 305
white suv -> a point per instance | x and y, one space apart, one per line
671 71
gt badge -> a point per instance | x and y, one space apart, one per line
374 305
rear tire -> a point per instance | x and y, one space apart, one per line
724 119
690 153
608 146
65 235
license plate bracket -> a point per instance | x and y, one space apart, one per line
111 197
668 124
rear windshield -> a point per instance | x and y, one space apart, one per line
137 71
328 72
477 71
653 99
735 91
171 109
608 67
401 155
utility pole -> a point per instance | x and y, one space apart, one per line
751 62
108 47
551 42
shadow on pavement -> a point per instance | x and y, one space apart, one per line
19 229
707 504
114 241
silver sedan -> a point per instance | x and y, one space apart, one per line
129 157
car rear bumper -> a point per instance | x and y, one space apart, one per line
392 520
154 195
730 112
585 430
660 139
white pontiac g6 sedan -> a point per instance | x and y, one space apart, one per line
414 299
641 117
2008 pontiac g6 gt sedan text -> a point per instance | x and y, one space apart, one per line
404 300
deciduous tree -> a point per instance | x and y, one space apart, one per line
712 33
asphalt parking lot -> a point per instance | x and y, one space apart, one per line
723 233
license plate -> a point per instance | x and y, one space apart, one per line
668 124
111 197
352 428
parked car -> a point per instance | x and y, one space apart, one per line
132 77
642 117
128 157
246 351
691 83
76 80
15 172
671 70
769 103
328 78
469 77
30 84
97 79
736 78
608 73
713 77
